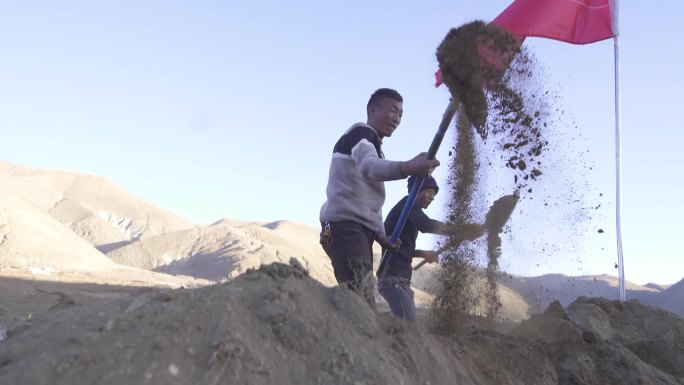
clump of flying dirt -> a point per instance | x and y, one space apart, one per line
463 71
486 71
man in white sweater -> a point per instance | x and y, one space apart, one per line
351 217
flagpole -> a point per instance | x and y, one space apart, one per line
618 178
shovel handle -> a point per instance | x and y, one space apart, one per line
418 266
439 251
432 152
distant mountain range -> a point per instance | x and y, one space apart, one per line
61 221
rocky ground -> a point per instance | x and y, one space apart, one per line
277 325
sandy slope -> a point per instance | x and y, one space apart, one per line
540 291
227 249
672 298
35 245
32 239
93 207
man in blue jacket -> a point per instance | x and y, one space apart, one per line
395 271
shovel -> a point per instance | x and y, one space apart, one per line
497 216
432 151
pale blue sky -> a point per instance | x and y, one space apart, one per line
230 109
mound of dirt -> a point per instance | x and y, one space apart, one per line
278 325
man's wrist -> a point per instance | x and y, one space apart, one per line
403 173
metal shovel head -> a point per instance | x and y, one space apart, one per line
500 211
496 219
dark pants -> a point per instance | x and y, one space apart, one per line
350 249
398 294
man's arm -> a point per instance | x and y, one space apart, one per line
384 242
466 232
430 256
372 167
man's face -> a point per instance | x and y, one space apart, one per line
425 197
385 116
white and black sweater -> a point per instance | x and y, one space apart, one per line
356 188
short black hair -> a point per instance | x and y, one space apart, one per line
384 93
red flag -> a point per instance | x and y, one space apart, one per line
571 21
